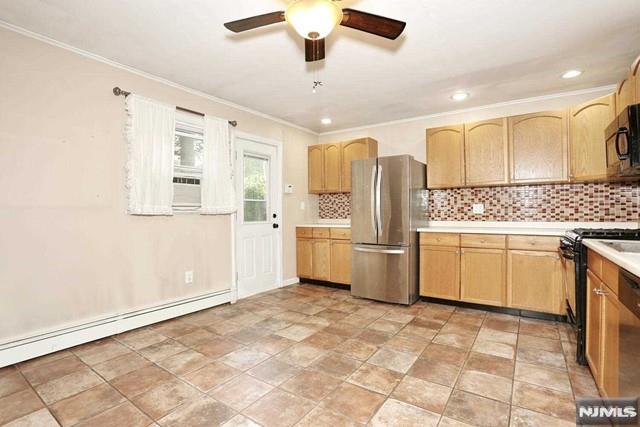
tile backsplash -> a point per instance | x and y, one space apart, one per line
553 202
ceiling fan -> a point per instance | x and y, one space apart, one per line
315 19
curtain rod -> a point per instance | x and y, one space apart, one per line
119 92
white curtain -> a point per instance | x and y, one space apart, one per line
217 186
150 133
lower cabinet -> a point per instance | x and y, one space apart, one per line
340 262
321 259
482 276
534 281
303 258
440 272
324 254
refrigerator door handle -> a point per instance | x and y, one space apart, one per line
378 199
381 251
374 221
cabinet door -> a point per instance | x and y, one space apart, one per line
445 157
594 324
316 169
486 152
440 272
341 261
541 291
482 276
321 255
610 345
587 125
304 258
625 96
538 147
332 165
358 149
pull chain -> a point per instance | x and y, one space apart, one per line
317 83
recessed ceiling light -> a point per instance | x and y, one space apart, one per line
459 96
326 121
571 74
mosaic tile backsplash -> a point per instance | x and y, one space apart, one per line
597 202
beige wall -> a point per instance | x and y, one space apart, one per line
408 137
68 251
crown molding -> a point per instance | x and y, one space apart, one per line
87 54
558 95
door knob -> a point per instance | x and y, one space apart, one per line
276 226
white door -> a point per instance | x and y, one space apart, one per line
258 229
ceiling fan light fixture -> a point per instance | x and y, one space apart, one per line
571 74
460 96
313 19
326 121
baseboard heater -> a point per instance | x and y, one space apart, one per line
38 345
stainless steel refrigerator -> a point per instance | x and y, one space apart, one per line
388 204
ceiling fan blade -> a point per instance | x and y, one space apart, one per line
372 24
313 50
255 22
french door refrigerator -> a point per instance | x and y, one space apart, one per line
388 204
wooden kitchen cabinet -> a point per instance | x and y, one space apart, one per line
440 272
486 152
340 262
625 96
594 324
358 149
541 291
332 168
315 155
304 258
538 149
587 138
482 276
321 259
445 157
610 345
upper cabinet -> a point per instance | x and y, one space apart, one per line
362 148
538 147
486 152
587 125
330 164
445 157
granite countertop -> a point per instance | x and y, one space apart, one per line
521 228
628 261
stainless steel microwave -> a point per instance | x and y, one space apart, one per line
628 141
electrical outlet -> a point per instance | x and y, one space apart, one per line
302 206
188 277
478 208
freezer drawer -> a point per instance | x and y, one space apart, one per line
384 273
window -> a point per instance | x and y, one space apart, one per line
256 173
187 161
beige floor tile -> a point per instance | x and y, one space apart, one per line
272 324
323 417
87 404
161 400
336 365
424 394
477 410
141 380
324 340
241 392
539 328
400 317
311 385
354 402
543 376
301 355
121 365
41 418
199 336
487 385
211 375
445 353
583 385
407 345
124 414
435 371
18 405
61 388
487 334
249 335
392 359
274 371
531 341
279 409
450 422
240 421
524 418
545 400
140 338
245 358
375 378
296 332
343 329
455 339
12 382
490 364
174 328
508 351
541 357
273 344
396 413
57 368
204 412
387 326
331 315
506 324
356 349
217 348
373 337
162 350
98 351
224 328
184 362
32 363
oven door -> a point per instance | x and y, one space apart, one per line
568 278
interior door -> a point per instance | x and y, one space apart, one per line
363 184
392 208
258 237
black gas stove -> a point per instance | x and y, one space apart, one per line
575 257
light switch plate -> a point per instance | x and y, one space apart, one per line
478 208
188 277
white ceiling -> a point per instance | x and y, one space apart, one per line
497 50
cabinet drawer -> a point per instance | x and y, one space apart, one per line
340 233
534 243
610 275
304 232
594 263
487 241
440 239
321 233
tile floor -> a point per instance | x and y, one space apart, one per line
308 356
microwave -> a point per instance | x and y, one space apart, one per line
627 143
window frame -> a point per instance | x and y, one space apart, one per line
266 199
